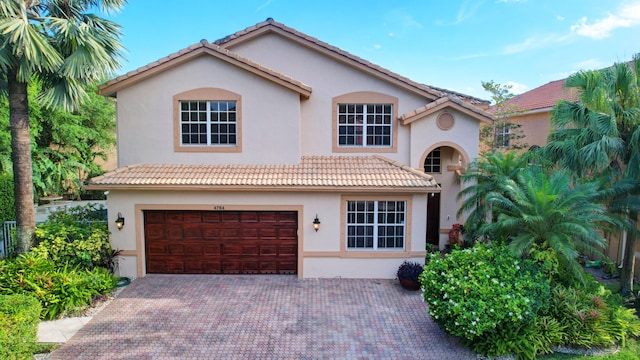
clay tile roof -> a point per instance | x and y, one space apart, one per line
542 97
444 102
320 173
203 47
270 24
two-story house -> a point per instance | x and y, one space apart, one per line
270 151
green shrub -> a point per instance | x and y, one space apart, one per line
7 201
19 318
60 290
77 237
593 318
483 289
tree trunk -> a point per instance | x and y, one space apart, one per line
21 157
626 275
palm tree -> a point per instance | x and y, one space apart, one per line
538 212
599 136
64 47
487 174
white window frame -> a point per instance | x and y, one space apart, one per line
367 129
433 156
376 224
503 136
209 123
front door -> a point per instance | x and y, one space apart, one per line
433 219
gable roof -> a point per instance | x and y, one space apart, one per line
271 25
541 98
201 49
442 103
313 173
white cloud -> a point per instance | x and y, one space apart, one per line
560 18
264 5
601 28
535 42
517 88
590 64
377 46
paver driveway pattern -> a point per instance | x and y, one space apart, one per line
262 317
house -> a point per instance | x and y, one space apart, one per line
270 151
532 110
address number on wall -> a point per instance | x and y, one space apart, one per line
218 207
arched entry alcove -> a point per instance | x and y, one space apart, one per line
445 161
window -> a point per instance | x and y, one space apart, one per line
364 124
208 122
432 164
375 225
503 135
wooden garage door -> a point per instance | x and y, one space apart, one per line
221 242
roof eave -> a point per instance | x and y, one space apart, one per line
342 189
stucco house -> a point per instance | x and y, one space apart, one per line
270 151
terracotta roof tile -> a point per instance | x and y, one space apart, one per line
542 97
312 173
203 46
443 102
270 23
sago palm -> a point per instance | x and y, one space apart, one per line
541 211
487 174
63 46
599 136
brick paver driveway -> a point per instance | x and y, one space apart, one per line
262 317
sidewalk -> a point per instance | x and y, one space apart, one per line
59 331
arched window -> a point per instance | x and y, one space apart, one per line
433 162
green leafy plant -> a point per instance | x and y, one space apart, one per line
19 318
59 290
483 289
78 237
7 203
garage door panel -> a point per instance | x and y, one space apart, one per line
268 250
221 242
155 231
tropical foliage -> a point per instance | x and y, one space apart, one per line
599 137
62 46
502 133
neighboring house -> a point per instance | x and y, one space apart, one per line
229 152
533 111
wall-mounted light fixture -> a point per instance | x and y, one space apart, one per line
120 221
316 223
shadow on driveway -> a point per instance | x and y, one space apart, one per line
262 317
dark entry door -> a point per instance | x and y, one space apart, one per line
433 219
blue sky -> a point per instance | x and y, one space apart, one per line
449 44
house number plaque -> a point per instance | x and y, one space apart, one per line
218 207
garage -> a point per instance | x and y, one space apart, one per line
221 242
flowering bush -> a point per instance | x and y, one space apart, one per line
483 289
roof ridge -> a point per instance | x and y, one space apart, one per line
204 45
434 91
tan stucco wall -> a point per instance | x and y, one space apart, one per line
328 78
270 116
535 128
319 253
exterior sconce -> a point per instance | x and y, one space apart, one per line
316 223
120 221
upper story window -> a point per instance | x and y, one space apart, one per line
433 162
207 119
365 122
208 122
376 225
503 135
